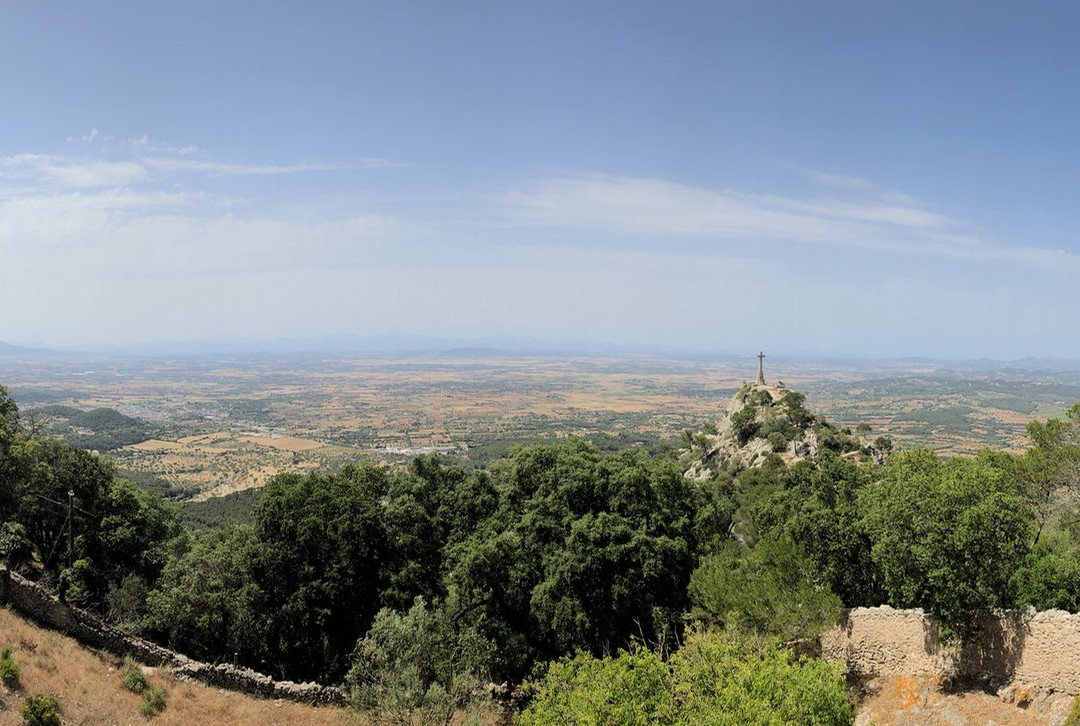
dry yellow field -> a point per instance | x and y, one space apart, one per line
285 443
157 445
217 425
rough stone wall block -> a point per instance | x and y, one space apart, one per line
37 603
1034 648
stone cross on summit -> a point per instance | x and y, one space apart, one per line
760 369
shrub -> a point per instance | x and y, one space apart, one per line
883 444
744 424
701 441
153 702
948 535
714 679
743 393
633 688
728 680
9 669
132 678
1049 579
760 398
794 406
829 437
40 710
418 666
766 591
15 547
778 441
127 602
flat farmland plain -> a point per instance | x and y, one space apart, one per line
215 424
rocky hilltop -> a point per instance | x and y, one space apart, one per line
765 421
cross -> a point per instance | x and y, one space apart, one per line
760 369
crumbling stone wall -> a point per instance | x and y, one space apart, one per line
34 601
1013 646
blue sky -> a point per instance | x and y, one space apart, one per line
875 179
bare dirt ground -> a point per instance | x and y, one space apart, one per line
908 701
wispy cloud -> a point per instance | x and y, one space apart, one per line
851 184
143 161
839 181
880 221
46 170
85 234
88 173
144 213
173 165
115 234
89 137
145 145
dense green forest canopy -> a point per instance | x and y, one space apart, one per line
100 429
564 566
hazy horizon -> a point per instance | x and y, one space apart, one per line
404 345
836 178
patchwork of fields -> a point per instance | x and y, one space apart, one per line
215 424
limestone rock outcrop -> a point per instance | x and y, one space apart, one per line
763 421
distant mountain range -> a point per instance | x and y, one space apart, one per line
506 345
359 344
9 349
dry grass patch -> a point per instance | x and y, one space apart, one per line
204 438
89 686
156 445
285 443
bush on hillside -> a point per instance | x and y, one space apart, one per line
744 424
816 505
714 678
768 590
40 710
153 702
15 547
132 677
948 535
9 669
419 665
1049 577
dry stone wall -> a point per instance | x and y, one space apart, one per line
1014 646
1034 648
34 601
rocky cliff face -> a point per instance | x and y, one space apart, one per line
764 421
